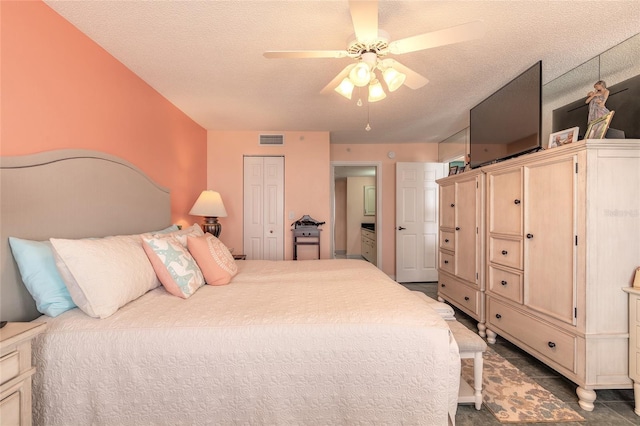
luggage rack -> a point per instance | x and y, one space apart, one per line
306 232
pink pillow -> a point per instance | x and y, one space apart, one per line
175 267
214 259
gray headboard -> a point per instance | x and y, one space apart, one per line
69 194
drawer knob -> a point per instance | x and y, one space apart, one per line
498 316
503 282
516 201
442 285
466 298
446 240
529 236
504 252
551 345
453 205
446 261
457 228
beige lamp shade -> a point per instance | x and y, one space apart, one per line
209 204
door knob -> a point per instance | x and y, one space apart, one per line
529 236
271 231
400 228
516 201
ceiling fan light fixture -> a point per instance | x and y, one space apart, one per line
393 78
360 75
345 88
376 93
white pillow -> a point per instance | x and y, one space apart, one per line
103 274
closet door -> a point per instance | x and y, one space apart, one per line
264 208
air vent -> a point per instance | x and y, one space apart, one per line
271 139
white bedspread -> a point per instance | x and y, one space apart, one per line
286 343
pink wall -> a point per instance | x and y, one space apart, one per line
307 179
61 90
340 225
409 152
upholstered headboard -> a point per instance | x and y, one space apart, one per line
69 194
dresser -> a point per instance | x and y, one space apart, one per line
562 238
16 371
461 244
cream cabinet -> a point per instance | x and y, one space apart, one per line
368 245
562 239
16 371
461 244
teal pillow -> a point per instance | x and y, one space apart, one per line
41 277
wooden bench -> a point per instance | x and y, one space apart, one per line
470 345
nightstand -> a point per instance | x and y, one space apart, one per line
240 257
634 343
16 371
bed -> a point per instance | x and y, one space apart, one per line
288 342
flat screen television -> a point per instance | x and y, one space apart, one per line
509 122
624 99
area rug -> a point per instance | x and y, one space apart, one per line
512 397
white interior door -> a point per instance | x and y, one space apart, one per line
264 208
417 221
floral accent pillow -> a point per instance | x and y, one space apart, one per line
175 267
214 259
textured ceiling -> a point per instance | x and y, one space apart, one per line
206 58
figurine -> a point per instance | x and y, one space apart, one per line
596 100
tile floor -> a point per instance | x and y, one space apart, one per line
612 407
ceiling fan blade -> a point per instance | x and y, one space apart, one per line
305 54
413 81
364 15
457 34
337 79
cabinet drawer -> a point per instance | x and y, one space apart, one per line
9 366
505 252
368 234
10 409
505 283
447 262
545 339
447 240
459 294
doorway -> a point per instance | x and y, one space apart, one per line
356 199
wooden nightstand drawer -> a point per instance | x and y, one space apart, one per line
9 367
16 371
10 409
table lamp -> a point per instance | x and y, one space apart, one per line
209 204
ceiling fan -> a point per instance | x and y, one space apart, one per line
370 46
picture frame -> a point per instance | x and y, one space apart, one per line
563 137
598 128
453 170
